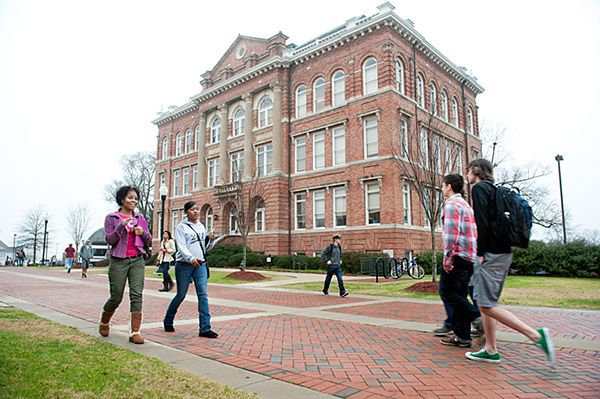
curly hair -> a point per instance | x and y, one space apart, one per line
122 193
482 168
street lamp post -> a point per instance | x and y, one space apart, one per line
164 190
14 247
559 158
44 245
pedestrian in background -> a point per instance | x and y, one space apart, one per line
69 257
164 259
86 252
126 233
332 256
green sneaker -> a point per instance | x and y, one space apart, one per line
483 356
545 343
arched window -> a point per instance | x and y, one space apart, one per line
197 137
338 94
399 76
433 98
319 95
165 148
420 91
301 101
259 216
454 112
188 141
265 113
239 120
370 76
233 226
215 131
445 105
178 144
209 219
470 120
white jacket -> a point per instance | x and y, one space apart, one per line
166 256
188 246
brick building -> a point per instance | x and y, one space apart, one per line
317 124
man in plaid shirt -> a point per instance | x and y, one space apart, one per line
460 252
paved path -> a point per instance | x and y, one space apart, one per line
281 343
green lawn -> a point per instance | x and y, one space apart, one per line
43 359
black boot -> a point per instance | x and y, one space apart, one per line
170 285
164 288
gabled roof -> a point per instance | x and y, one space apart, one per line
230 60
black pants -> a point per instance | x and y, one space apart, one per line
454 290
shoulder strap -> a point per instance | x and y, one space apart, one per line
199 241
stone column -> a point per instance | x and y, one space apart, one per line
248 127
223 161
202 151
277 128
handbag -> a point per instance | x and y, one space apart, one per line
203 253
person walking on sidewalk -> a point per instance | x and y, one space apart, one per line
69 257
165 257
332 255
494 260
126 233
190 264
459 235
86 254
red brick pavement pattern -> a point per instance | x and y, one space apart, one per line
86 302
565 324
358 361
279 298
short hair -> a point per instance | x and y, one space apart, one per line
455 181
168 233
188 205
482 168
123 191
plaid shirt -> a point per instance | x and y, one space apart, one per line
459 230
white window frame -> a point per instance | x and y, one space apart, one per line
233 224
300 154
458 160
404 138
406 203
420 91
178 144
299 200
301 101
236 166
259 216
445 105
197 138
399 76
209 219
369 69
319 95
448 157
433 98
264 159
195 177
437 154
165 148
370 126
215 130
470 120
186 181
318 209
372 188
454 112
338 92
175 183
426 195
188 141
239 120
265 112
338 145
424 148
319 150
213 172
174 220
339 193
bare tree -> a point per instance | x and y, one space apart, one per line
78 219
138 171
247 196
423 157
32 229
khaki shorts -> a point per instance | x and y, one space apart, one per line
488 279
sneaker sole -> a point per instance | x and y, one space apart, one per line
551 352
457 344
448 334
481 359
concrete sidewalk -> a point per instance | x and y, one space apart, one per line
280 343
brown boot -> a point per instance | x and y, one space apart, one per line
104 328
135 323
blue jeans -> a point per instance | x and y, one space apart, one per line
331 270
454 290
164 269
85 263
184 274
68 263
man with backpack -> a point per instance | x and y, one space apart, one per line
332 255
494 259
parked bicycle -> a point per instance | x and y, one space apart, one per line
400 267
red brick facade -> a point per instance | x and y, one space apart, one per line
253 69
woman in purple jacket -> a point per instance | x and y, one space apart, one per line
126 233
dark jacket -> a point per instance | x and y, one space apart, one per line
484 207
332 253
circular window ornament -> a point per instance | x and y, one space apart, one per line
241 50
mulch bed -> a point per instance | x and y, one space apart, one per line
426 287
246 276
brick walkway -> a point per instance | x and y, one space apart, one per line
300 338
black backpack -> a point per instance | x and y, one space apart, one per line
513 218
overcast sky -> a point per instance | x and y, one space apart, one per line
80 82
